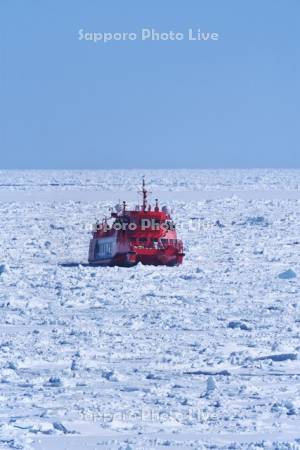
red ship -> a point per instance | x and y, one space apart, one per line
145 235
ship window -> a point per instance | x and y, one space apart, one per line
143 239
132 239
164 241
103 248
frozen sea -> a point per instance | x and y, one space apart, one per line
201 356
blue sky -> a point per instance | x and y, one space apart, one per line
229 103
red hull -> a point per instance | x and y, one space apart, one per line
131 259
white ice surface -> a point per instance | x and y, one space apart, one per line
205 355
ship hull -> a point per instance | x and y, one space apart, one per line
130 259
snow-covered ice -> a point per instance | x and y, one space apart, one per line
205 355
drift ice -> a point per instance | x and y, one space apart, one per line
143 235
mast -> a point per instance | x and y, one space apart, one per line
144 192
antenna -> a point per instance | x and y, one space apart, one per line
144 192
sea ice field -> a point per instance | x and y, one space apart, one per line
201 356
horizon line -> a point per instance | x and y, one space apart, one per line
147 169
